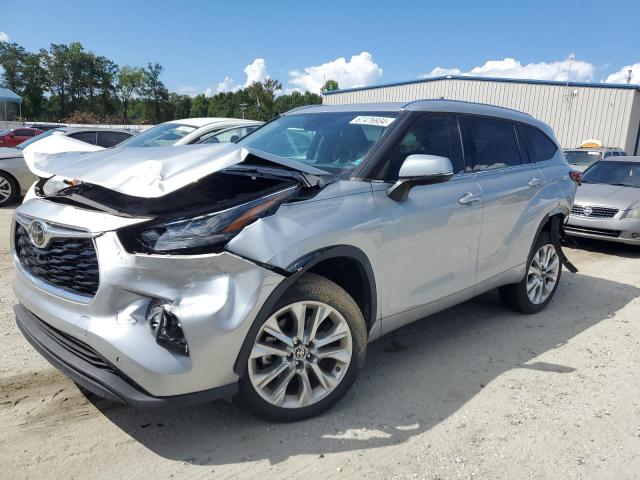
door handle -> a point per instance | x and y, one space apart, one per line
535 182
469 198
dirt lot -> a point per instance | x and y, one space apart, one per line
473 392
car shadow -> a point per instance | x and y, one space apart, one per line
413 379
608 248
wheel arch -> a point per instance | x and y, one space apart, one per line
321 262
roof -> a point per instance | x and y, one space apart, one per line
202 121
429 105
92 129
492 79
630 158
7 95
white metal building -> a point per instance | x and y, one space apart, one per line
575 110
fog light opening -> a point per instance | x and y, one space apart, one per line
166 328
635 235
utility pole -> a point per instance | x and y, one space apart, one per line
629 76
243 108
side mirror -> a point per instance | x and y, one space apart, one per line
420 170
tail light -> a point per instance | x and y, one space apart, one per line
576 176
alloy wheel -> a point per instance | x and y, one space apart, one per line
6 189
300 354
542 275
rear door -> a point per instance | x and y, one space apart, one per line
429 243
513 193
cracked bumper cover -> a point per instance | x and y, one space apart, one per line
215 296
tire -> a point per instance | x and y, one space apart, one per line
519 296
9 189
328 369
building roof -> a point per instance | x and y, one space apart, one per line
7 95
492 79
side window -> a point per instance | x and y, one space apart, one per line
87 137
540 147
493 142
23 133
431 134
111 139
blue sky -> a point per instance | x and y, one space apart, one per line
201 43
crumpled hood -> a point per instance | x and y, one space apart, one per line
602 195
54 144
153 171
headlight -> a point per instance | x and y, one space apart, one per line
205 232
634 213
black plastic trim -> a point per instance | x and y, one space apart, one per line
102 382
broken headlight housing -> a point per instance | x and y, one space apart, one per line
203 233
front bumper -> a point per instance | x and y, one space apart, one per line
620 230
86 368
215 296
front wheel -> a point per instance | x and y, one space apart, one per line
306 354
539 285
9 189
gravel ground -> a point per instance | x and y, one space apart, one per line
473 392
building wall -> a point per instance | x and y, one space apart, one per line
574 112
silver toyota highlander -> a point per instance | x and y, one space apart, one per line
261 270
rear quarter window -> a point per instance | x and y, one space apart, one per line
539 145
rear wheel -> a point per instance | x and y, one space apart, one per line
306 354
9 189
539 285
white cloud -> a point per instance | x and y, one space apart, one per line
4 37
512 68
227 85
190 90
256 71
359 71
621 75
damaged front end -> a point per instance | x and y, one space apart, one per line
169 306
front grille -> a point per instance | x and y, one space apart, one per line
594 231
596 212
75 346
70 264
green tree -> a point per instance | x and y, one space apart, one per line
199 106
329 86
130 79
35 85
56 63
12 58
153 90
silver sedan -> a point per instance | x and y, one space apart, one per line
607 205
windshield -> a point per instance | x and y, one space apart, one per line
163 135
26 143
336 142
614 173
582 157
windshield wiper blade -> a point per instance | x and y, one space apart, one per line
624 185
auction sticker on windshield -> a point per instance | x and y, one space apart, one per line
367 120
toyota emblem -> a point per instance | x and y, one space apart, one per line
38 234
587 211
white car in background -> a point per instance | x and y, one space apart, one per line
15 176
191 131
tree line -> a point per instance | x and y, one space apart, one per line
66 83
